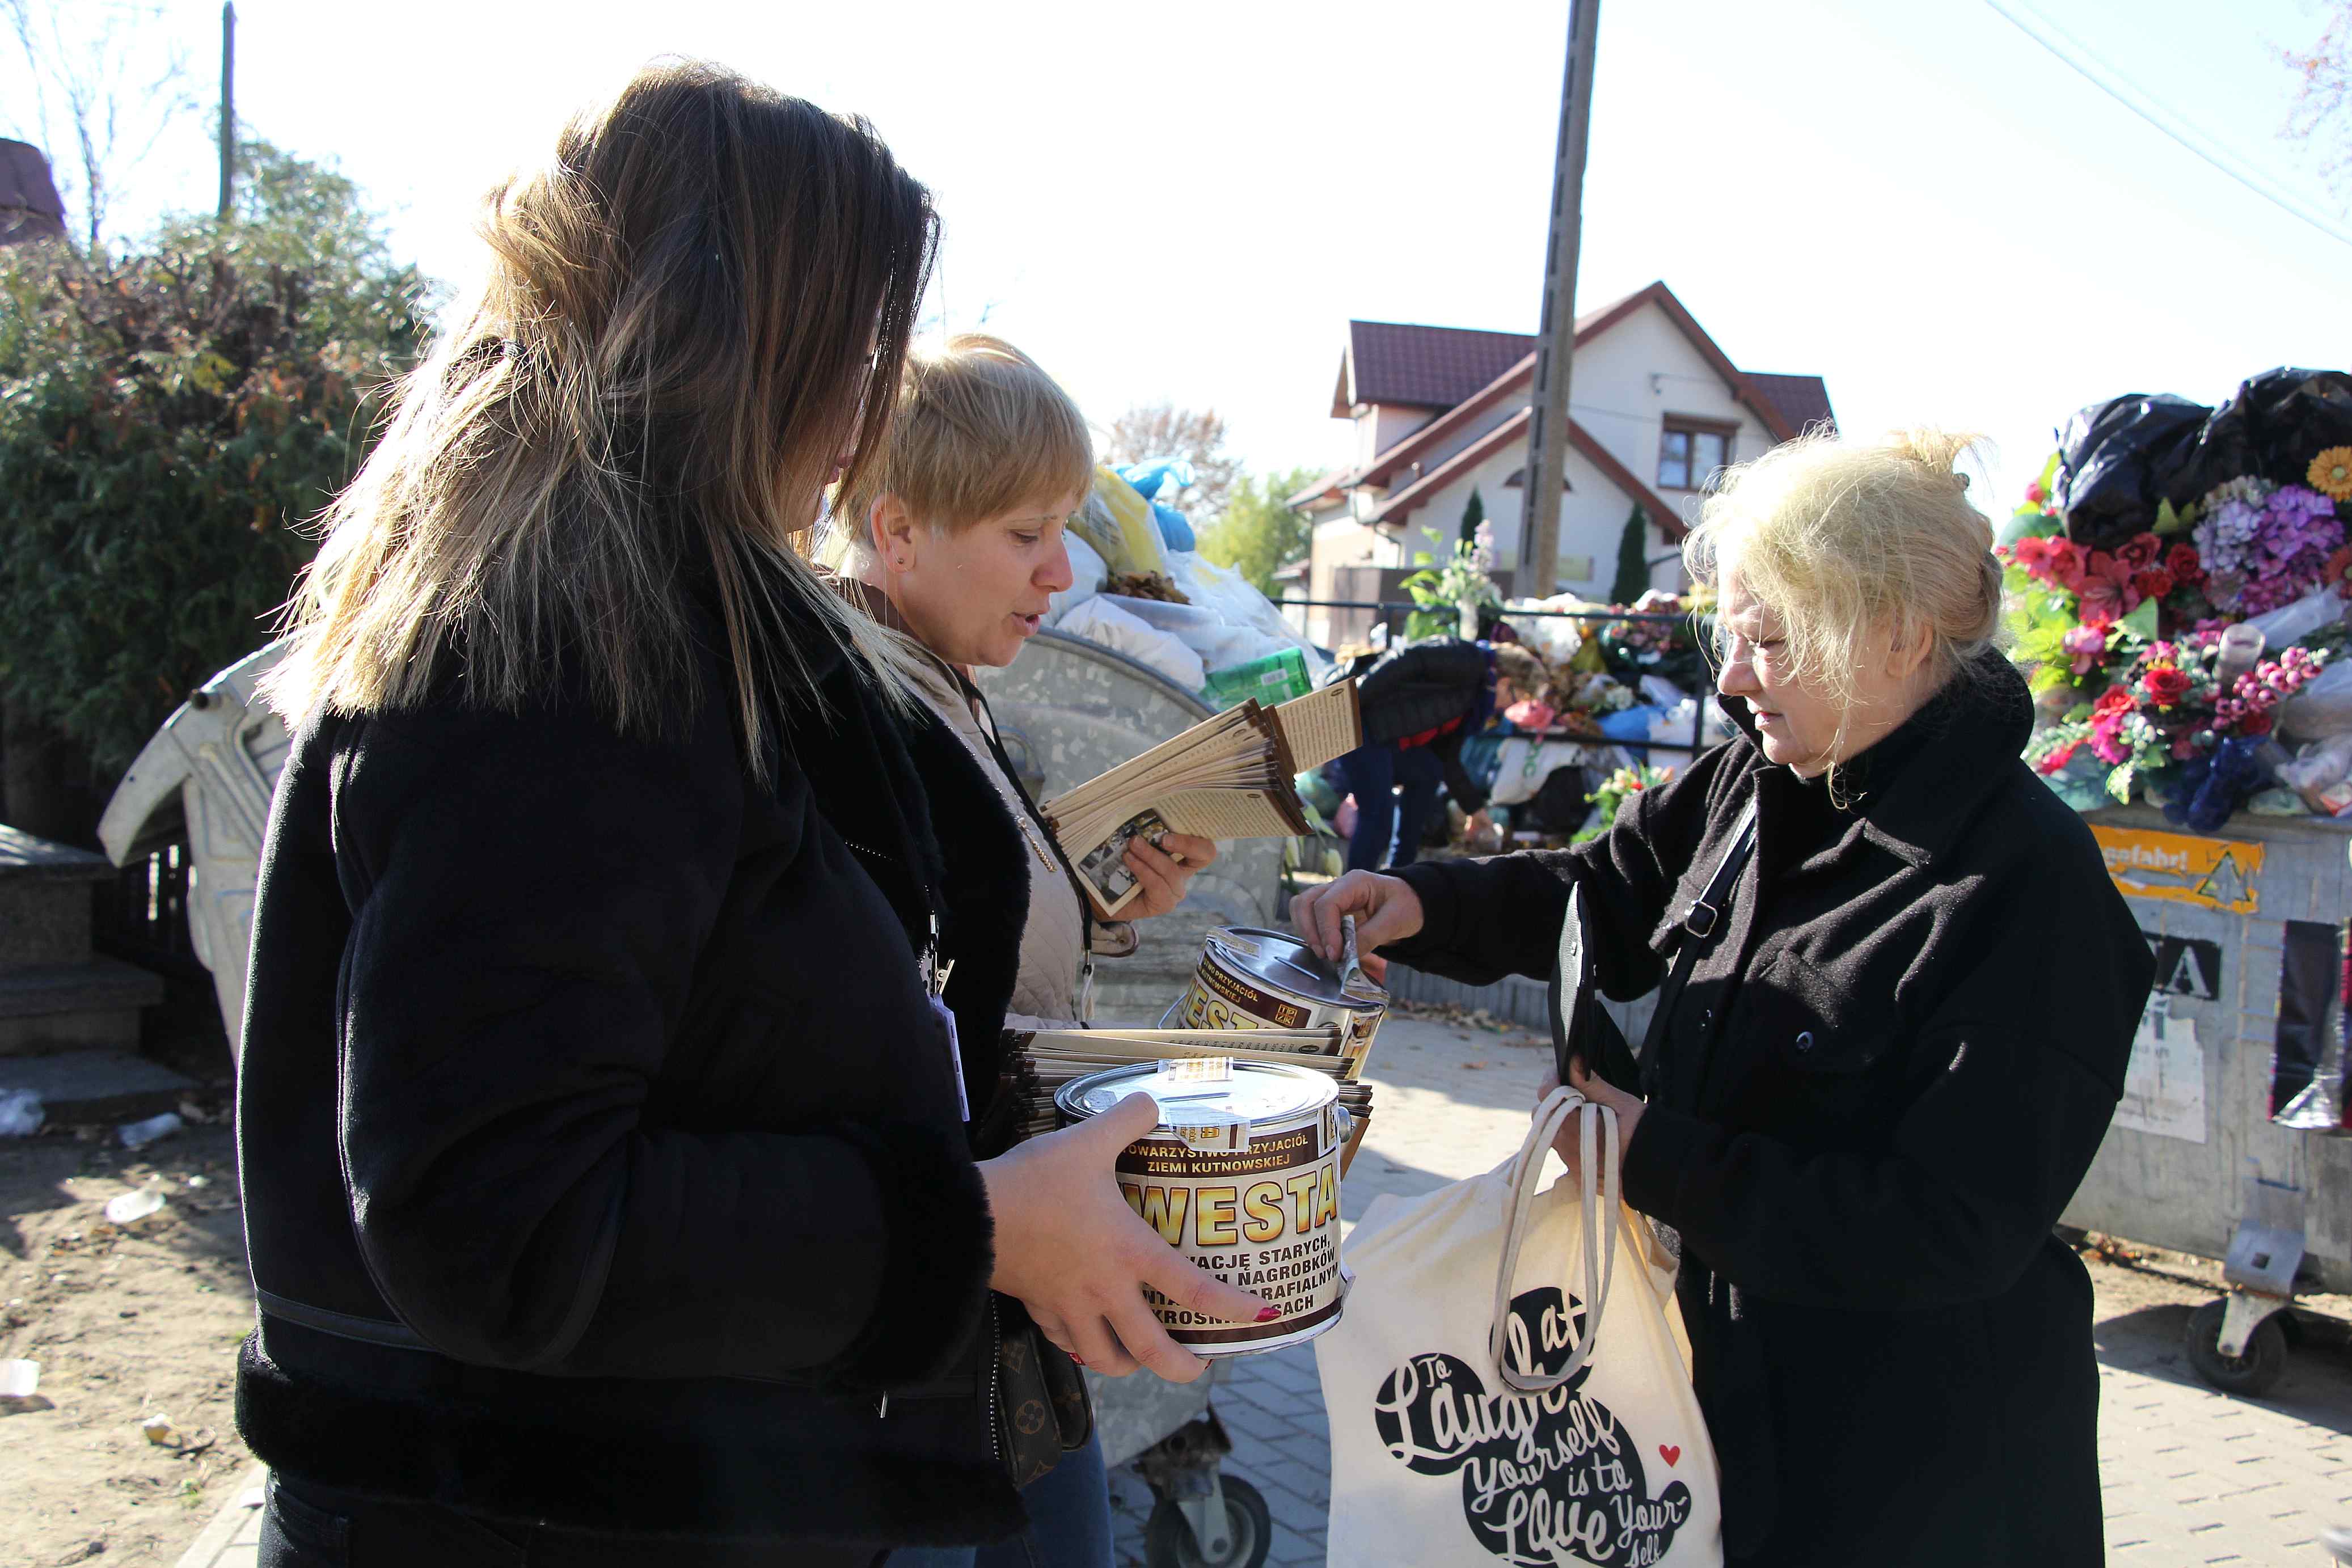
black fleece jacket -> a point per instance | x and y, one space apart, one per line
600 1149
1893 1063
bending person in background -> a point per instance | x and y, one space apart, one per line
957 544
1420 703
607 1193
1898 1047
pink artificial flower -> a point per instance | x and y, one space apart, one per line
2141 551
2108 742
2086 644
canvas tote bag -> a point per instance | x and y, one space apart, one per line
1505 1386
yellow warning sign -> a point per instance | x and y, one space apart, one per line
2215 873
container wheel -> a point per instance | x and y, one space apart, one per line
1167 1538
2255 1372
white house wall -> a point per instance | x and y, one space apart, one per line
1627 381
1592 521
1382 425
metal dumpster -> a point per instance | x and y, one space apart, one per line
2193 1161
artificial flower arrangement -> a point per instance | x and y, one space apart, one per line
2169 715
1449 597
1631 649
2124 646
1611 794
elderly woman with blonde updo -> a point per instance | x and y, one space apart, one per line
1900 1031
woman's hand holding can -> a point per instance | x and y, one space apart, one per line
1070 1250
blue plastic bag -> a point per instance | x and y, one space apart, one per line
1174 529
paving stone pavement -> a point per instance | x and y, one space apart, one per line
2191 1476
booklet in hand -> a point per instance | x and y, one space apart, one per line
1229 776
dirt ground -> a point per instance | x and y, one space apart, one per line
128 1323
137 1322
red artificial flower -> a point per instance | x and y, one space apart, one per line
2066 561
2105 592
2036 494
2254 723
2141 551
2058 757
2114 703
2154 583
2181 561
2166 685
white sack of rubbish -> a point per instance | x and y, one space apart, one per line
1101 619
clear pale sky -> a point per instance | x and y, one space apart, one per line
1914 200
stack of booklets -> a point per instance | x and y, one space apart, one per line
1047 1058
1225 778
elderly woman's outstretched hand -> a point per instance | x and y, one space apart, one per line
1386 910
1163 874
1070 1250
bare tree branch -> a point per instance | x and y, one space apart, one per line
2322 112
1161 430
91 101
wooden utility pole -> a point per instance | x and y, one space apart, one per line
228 109
1539 574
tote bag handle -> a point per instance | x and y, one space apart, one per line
1595 1123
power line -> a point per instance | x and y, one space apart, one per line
2104 77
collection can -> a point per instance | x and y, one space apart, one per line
1251 978
1242 1176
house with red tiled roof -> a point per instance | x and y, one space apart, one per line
1656 407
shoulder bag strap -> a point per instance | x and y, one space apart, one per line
1698 921
1595 1124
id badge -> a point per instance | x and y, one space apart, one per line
955 1057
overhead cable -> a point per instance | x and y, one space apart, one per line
2099 74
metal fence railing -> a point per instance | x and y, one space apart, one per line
1393 614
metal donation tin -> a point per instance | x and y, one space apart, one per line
1251 978
1241 1176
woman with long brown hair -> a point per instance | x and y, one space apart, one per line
607 1188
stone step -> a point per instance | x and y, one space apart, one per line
63 1007
80 1086
44 899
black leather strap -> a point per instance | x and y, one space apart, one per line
1705 915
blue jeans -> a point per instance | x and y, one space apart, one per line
1070 1524
1374 774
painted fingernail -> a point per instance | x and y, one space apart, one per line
1268 1315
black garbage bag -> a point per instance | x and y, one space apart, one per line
2278 422
2119 460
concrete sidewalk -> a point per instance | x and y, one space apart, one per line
2191 1476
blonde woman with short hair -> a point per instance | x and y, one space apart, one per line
1895 1044
953 538
607 1190
956 539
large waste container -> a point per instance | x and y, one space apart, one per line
2194 1161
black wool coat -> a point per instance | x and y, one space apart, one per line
601 1158
1893 1063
